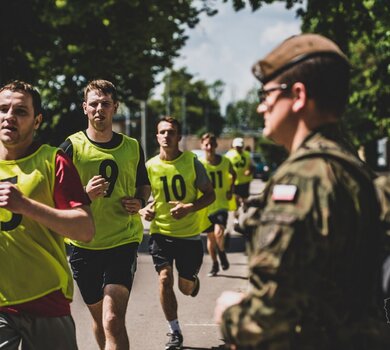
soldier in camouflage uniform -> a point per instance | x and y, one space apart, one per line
317 243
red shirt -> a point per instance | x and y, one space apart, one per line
68 193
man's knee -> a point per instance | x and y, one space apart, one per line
185 286
113 323
166 278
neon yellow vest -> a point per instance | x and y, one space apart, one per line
175 181
32 258
114 226
240 162
221 179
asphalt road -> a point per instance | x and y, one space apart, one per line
145 321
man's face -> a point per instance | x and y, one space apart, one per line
17 119
99 109
208 146
276 110
167 135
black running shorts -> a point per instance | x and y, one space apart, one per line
218 218
187 253
94 269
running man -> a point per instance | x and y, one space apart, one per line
41 201
222 176
112 169
242 165
181 189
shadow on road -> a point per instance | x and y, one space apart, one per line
212 348
232 276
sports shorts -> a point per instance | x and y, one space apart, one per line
94 269
36 333
242 190
187 254
218 218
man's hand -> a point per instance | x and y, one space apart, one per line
132 205
11 198
180 210
148 213
97 187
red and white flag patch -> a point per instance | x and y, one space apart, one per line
284 193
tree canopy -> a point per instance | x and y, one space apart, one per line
193 102
362 29
60 45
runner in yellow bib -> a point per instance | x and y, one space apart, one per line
181 190
222 176
41 201
112 169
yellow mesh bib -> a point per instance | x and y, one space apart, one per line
32 258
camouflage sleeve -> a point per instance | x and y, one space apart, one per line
284 239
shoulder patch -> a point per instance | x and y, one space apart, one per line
284 193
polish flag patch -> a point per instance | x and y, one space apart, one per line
284 193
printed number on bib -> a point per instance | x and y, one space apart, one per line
109 170
177 185
241 163
216 178
16 219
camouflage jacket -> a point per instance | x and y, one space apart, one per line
315 256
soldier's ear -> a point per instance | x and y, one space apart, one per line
299 96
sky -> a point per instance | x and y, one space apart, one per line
225 46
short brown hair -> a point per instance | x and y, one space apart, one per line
104 86
172 121
21 86
326 79
210 136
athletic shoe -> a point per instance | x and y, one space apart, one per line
196 288
224 261
214 270
175 341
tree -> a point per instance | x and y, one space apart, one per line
193 102
242 115
362 29
60 45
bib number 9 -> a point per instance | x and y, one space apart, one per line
109 170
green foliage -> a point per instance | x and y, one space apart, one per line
362 29
242 115
60 45
193 102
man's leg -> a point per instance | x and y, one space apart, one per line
167 295
219 239
96 311
220 242
109 318
115 302
187 286
212 249
188 262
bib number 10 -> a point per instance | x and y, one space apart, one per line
177 185
16 219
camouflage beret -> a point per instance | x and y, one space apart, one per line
292 51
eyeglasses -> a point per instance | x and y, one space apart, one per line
263 93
